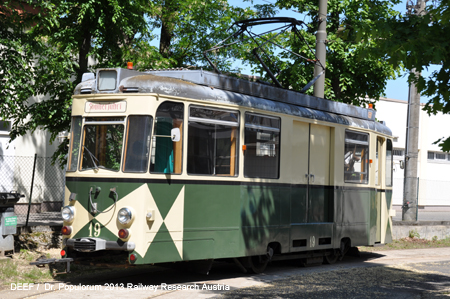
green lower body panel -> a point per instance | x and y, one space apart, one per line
194 220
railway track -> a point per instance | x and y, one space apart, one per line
136 282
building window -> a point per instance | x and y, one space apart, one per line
356 157
262 146
398 152
212 141
440 156
430 156
5 126
167 153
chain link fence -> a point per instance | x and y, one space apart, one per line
41 183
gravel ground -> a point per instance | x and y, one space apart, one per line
424 280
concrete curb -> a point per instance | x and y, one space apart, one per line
422 229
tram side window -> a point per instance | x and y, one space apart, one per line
262 142
389 163
356 158
74 150
166 152
137 143
212 142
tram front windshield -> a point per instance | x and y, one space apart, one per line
110 143
101 144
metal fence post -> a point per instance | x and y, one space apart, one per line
417 199
31 189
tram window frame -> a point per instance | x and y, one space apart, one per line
377 162
136 153
161 135
389 163
75 142
254 156
361 142
94 155
204 153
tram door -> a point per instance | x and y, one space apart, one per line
312 202
319 209
375 214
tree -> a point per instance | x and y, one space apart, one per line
353 74
46 45
190 27
418 42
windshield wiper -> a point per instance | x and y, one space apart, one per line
92 157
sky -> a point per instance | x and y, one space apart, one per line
396 89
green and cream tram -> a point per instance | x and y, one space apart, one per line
183 165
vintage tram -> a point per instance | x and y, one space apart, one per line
189 165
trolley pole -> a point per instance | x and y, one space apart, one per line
321 38
411 182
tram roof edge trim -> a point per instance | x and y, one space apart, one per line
269 92
236 85
165 85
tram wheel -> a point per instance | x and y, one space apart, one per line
257 264
331 258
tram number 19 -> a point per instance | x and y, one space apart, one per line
97 229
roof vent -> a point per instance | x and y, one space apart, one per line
128 89
86 90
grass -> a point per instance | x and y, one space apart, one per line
410 243
18 270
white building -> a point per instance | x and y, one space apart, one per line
16 170
433 164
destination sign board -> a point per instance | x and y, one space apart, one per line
91 107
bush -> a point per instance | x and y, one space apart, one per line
414 234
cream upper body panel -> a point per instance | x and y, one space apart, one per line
295 129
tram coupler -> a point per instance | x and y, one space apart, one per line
40 262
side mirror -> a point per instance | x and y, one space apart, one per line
402 164
175 134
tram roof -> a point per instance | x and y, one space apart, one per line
208 86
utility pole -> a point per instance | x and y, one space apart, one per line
321 38
411 180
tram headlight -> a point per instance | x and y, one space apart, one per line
124 216
68 213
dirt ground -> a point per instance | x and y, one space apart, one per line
18 270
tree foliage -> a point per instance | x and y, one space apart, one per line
190 27
419 42
45 50
46 46
353 74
